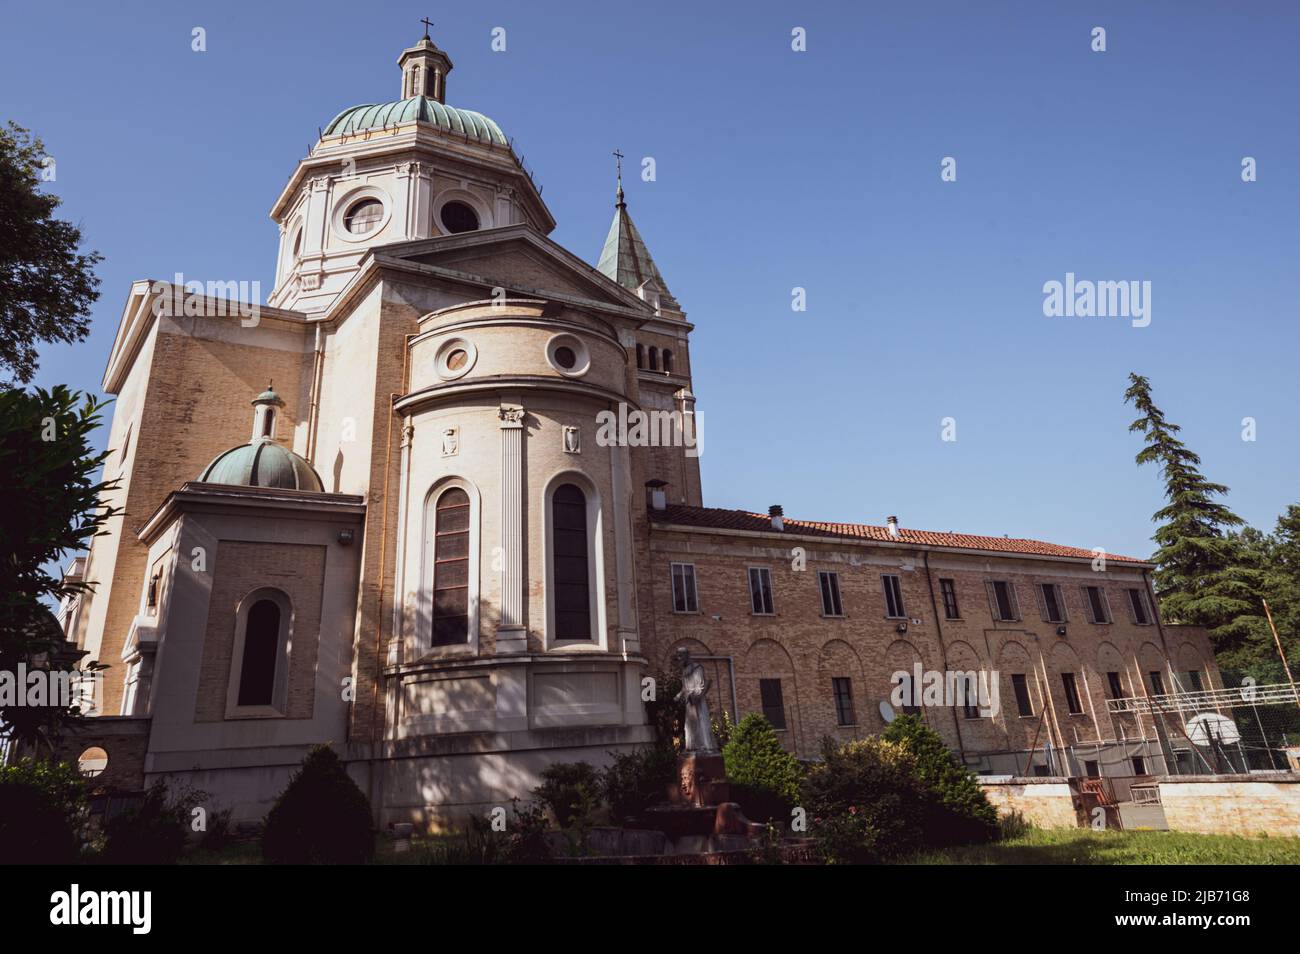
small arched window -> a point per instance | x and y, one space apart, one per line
451 568
571 570
654 359
668 361
640 356
268 422
261 653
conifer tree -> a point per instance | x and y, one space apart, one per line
1198 578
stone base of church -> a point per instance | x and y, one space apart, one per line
437 783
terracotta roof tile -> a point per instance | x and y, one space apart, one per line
718 519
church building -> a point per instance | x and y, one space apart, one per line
437 502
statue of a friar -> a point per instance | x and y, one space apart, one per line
698 723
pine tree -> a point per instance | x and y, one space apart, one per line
1199 578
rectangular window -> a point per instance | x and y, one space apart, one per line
1138 605
1071 694
1041 771
830 584
1194 678
1091 768
686 597
1002 600
843 687
1051 603
773 703
949 590
1116 687
1094 597
1139 765
1021 687
893 597
1157 683
760 591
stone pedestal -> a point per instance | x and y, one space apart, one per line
702 780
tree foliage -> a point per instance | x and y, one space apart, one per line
46 284
956 809
50 473
1198 577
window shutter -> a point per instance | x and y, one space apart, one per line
1013 600
1087 604
1105 604
1060 602
1132 610
1042 601
993 599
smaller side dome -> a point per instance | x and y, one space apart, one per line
262 462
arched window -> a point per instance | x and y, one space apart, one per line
654 359
451 568
261 653
571 570
668 361
268 422
640 356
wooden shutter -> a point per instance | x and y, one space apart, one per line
572 583
1087 604
1105 604
1013 600
993 599
1042 601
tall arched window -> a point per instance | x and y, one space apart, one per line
640 356
571 570
668 361
261 654
451 568
654 359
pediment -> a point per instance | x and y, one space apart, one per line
520 260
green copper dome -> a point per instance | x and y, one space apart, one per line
425 109
262 463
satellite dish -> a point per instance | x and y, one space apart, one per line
1210 727
886 711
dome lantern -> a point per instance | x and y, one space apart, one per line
424 69
262 462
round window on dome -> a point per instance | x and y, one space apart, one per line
457 217
568 355
364 217
454 358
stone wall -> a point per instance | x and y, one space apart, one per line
1233 804
1045 802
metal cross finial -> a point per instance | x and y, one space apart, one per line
427 23
618 156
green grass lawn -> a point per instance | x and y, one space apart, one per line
1071 846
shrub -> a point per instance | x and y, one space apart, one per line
957 810
42 812
151 832
320 818
666 713
636 780
571 790
764 777
1013 824
865 802
523 843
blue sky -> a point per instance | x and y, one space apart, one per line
778 169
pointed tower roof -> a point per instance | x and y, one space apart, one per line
625 257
